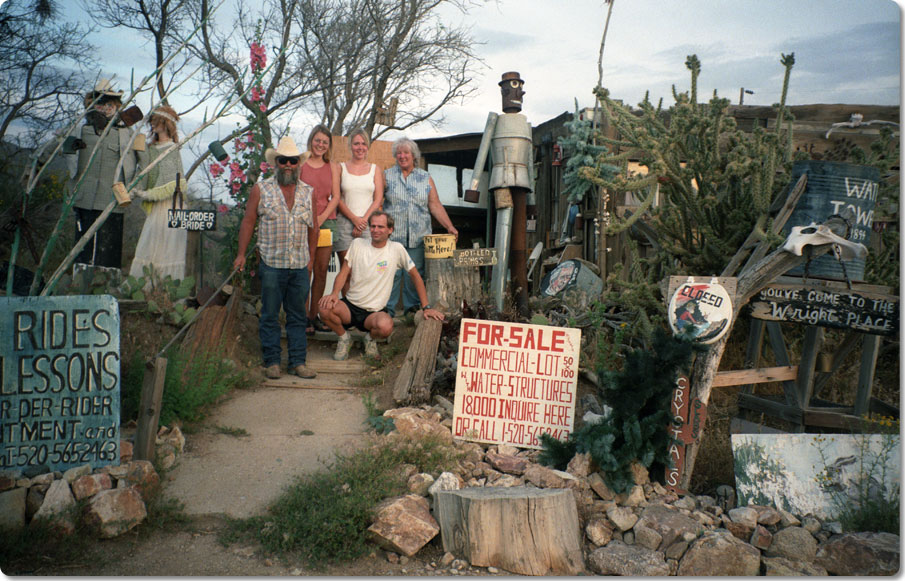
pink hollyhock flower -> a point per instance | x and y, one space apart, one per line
258 57
239 145
263 108
236 174
216 170
223 208
265 167
250 138
257 93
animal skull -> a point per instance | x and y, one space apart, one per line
817 234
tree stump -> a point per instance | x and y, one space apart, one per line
528 531
413 384
448 284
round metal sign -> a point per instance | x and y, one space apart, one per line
702 310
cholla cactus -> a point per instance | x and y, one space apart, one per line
715 181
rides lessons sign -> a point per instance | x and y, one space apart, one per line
515 382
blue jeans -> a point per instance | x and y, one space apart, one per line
401 278
286 287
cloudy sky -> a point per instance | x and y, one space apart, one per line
846 51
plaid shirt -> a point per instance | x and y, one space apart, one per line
283 233
405 199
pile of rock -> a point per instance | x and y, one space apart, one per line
115 496
646 531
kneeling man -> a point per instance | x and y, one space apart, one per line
370 266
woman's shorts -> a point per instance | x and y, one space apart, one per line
343 238
327 234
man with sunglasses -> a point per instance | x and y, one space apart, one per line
370 265
286 238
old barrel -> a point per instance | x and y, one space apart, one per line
835 188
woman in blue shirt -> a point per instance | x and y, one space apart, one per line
410 197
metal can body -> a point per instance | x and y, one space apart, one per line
511 151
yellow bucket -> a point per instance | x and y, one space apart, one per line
439 245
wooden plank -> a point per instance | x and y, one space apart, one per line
750 242
788 207
754 349
149 412
751 376
831 409
771 408
826 419
813 341
193 264
349 366
779 221
293 382
781 355
869 352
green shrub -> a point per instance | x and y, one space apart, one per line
376 420
635 430
323 518
193 384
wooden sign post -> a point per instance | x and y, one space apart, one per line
825 304
687 423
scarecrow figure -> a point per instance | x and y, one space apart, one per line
101 172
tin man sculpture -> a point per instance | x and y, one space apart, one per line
511 181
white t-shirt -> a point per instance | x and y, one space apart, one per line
373 270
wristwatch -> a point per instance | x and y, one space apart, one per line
425 307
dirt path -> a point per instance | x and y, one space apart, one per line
258 441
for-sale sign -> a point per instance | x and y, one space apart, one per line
515 382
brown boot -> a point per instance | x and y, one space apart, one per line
273 372
303 372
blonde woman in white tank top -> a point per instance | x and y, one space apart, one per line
361 185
